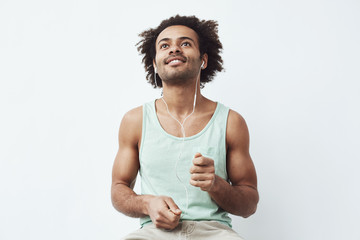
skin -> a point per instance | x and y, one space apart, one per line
180 78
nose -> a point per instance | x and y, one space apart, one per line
174 49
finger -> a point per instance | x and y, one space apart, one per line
172 206
177 212
202 176
203 161
172 220
197 155
204 185
202 169
166 224
165 219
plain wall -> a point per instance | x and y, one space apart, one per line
69 71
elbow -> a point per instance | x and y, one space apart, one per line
249 212
246 212
250 208
115 197
114 201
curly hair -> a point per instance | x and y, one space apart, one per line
209 43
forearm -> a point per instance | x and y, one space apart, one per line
125 200
237 200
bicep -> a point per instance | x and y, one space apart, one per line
240 167
126 164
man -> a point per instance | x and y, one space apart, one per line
192 153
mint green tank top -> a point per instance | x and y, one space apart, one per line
165 162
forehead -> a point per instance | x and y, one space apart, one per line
177 31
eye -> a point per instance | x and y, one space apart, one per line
165 45
185 44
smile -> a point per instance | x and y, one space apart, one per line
174 60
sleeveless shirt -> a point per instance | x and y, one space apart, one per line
165 162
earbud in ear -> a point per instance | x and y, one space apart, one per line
156 85
202 65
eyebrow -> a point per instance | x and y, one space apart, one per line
181 38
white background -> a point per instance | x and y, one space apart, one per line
70 70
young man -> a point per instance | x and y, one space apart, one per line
192 153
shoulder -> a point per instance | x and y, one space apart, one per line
133 117
131 125
235 119
236 131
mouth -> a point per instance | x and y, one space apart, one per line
175 60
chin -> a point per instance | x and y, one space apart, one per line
178 76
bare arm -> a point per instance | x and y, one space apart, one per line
241 196
162 210
126 166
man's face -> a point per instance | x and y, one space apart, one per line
177 55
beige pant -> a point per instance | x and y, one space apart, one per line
195 230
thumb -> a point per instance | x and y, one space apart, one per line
172 206
197 155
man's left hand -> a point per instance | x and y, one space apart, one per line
202 172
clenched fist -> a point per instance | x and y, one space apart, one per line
163 212
202 172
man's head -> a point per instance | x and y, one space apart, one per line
182 31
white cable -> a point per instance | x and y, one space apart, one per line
181 149
183 138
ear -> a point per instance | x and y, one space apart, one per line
204 60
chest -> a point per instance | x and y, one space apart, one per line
178 127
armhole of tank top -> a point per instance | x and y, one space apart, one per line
227 112
142 130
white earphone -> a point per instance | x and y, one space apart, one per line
182 128
156 85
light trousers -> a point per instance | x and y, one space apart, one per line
195 230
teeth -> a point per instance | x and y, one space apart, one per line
175 61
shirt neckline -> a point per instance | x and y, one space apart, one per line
186 138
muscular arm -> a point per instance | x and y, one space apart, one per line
241 196
162 210
126 166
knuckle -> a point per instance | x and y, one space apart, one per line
157 218
194 183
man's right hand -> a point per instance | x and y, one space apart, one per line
163 212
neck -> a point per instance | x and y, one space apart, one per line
180 99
